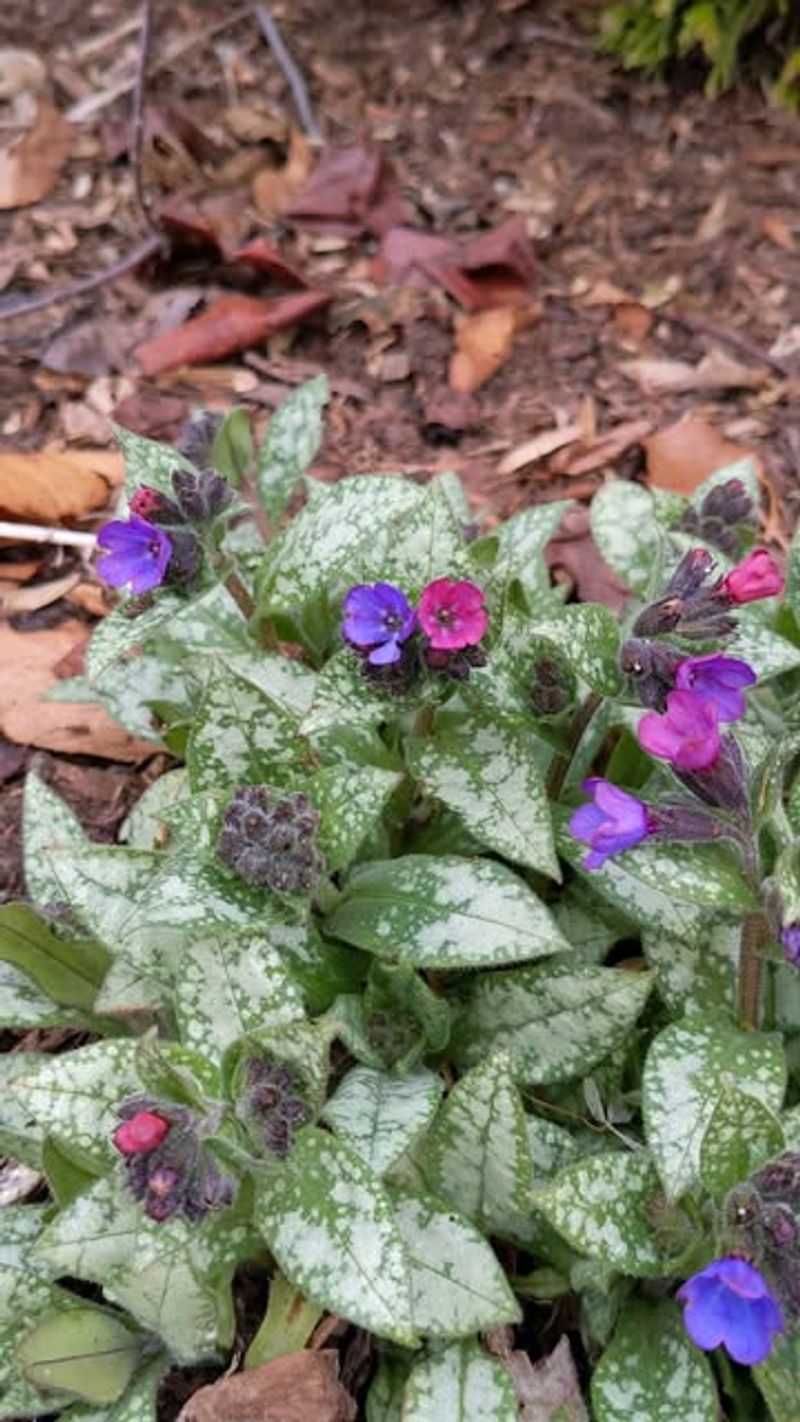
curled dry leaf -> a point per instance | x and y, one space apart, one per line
230 324
297 1387
351 190
716 371
21 72
495 268
50 486
274 188
538 447
549 1390
30 166
483 343
682 455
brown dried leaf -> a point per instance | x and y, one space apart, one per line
483 344
21 71
538 447
30 597
603 449
350 191
684 454
29 167
297 1387
28 662
274 188
716 371
774 227
495 268
49 486
550 1390
230 324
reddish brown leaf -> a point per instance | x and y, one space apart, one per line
297 1387
274 188
681 456
495 268
47 486
484 342
265 257
232 323
29 167
350 191
187 225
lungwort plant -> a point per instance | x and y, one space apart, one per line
448 981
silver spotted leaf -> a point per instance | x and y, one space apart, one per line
628 533
427 543
48 824
240 736
73 1097
589 638
209 623
652 1372
294 434
779 1378
229 982
600 1206
462 1384
380 1113
350 799
741 1135
147 462
768 653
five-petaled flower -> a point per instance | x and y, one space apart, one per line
611 822
730 1303
757 576
687 734
136 553
717 680
141 1133
378 618
452 614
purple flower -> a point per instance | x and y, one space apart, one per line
730 1303
790 938
717 680
612 822
687 734
378 618
136 553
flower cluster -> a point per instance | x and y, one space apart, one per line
724 511
385 629
166 1166
267 838
689 699
273 1102
159 542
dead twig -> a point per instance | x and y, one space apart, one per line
136 146
292 74
24 305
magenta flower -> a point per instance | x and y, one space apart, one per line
613 821
135 553
757 576
686 734
377 619
718 681
730 1303
141 1133
790 938
452 614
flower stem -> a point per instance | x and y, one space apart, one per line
560 763
755 935
287 1324
239 593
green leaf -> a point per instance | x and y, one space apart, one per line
397 1021
428 541
47 824
489 773
304 1047
443 913
138 1404
477 1154
600 1205
779 1378
23 1005
689 1068
741 1135
147 461
652 1372
555 1021
20 1136
240 736
551 1147
294 435
627 531
25 1294
521 543
461 1384
232 447
350 799
75 1097
87 1352
768 653
380 1115
330 1225
65 1177
68 972
385 1396
146 827
695 977
172 1276
589 638
344 534
344 699
457 1284
209 623
228 983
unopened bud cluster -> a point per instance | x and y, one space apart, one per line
267 838
552 687
274 1105
167 1168
723 512
764 1217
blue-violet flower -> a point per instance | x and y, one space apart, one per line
730 1303
717 680
377 619
790 938
136 553
613 821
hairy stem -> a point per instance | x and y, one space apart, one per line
754 938
560 763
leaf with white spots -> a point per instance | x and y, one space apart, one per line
380 1114
330 1225
589 637
428 541
20 1136
211 622
742 1134
444 913
768 653
350 799
147 461
26 1294
600 1207
489 774
228 983
555 1021
551 1147
688 1070
48 824
385 1396
460 1384
343 698
457 1284
22 1004
146 825
779 1378
74 1097
694 978
294 434
240 736
628 533
521 542
652 1372
477 1154
137 1405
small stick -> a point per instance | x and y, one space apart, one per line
37 533
734 339
291 72
24 305
138 112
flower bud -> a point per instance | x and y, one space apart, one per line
552 688
201 497
267 838
142 1132
723 784
757 576
652 665
723 511
196 437
455 665
166 1167
186 557
274 1105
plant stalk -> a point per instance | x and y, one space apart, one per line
560 763
755 936
287 1325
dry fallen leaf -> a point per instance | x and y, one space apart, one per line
49 486
274 188
538 447
774 227
604 448
29 167
30 597
548 1390
21 71
716 371
232 323
483 343
684 454
297 1387
714 221
28 662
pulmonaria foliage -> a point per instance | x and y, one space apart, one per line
729 1303
380 623
167 1167
267 838
722 514
274 1105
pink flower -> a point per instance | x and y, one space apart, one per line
142 1133
452 614
758 575
686 734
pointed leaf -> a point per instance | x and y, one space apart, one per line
87 1352
443 913
628 534
779 1378
350 799
232 448
652 1372
47 824
600 1207
293 437
330 1225
211 622
228 983
240 736
742 1134
461 1384
74 1098
689 1067
589 637
768 653
147 461
68 972
379 1114
428 541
